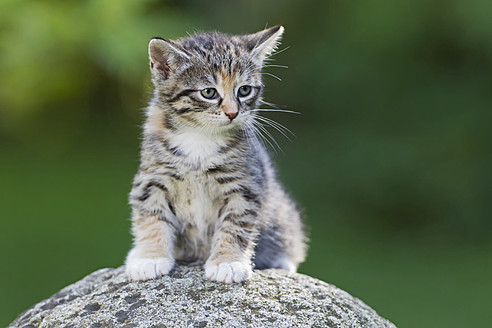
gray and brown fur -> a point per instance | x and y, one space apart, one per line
206 189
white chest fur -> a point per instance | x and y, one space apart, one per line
196 197
198 148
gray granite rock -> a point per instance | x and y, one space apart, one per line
271 298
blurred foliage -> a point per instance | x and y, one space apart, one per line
75 61
391 162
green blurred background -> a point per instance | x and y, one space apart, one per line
391 161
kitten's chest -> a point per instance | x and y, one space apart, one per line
196 200
196 197
197 150
196 204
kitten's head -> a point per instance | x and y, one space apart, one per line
211 79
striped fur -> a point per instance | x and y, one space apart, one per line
206 189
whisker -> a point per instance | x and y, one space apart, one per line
254 136
272 75
279 51
285 135
258 133
266 140
280 125
262 128
274 110
279 66
277 126
269 104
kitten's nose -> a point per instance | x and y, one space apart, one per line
230 108
231 116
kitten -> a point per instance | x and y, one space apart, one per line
206 188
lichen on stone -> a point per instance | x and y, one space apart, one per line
271 298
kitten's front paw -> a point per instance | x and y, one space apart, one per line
228 272
148 268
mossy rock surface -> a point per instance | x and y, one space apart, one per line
271 298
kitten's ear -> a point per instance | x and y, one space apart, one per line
262 44
166 57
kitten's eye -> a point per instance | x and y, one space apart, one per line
244 91
209 93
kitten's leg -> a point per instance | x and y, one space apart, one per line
271 251
282 242
232 245
152 255
230 256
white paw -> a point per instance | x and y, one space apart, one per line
148 268
228 272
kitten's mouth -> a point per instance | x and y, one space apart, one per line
226 121
221 121
229 124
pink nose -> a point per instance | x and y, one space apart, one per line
230 108
231 115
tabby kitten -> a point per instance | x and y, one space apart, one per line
206 188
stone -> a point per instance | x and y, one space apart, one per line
271 298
